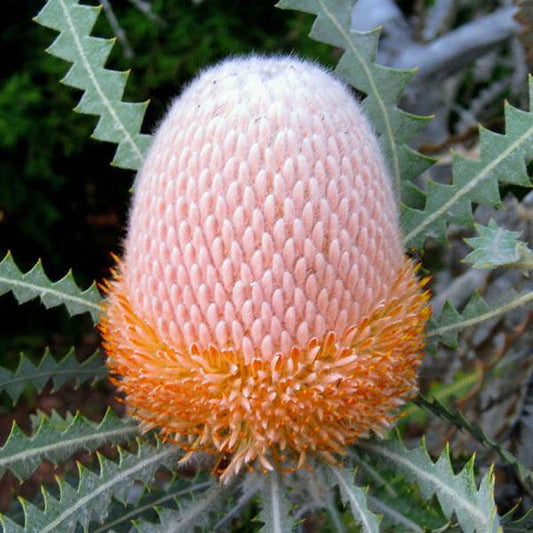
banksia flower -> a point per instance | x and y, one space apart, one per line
264 309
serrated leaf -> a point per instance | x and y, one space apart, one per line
193 513
91 499
36 284
8 526
503 159
520 525
56 439
457 418
399 502
120 122
457 493
48 369
275 506
393 515
383 86
496 247
356 498
121 516
445 327
247 490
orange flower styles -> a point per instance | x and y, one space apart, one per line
264 309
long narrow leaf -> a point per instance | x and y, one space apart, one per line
446 326
91 499
523 524
36 284
474 508
194 513
56 439
120 122
458 419
49 370
394 515
503 159
356 498
122 516
274 505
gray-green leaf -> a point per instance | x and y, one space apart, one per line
496 246
445 326
457 493
355 497
275 506
56 439
120 122
50 370
91 499
503 159
36 284
193 513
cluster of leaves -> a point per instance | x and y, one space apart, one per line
131 480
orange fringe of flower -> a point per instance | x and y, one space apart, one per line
313 401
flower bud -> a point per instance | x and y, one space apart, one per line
264 309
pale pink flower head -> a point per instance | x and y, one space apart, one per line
264 309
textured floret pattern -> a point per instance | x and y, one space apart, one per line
263 308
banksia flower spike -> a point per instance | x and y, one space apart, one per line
264 309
